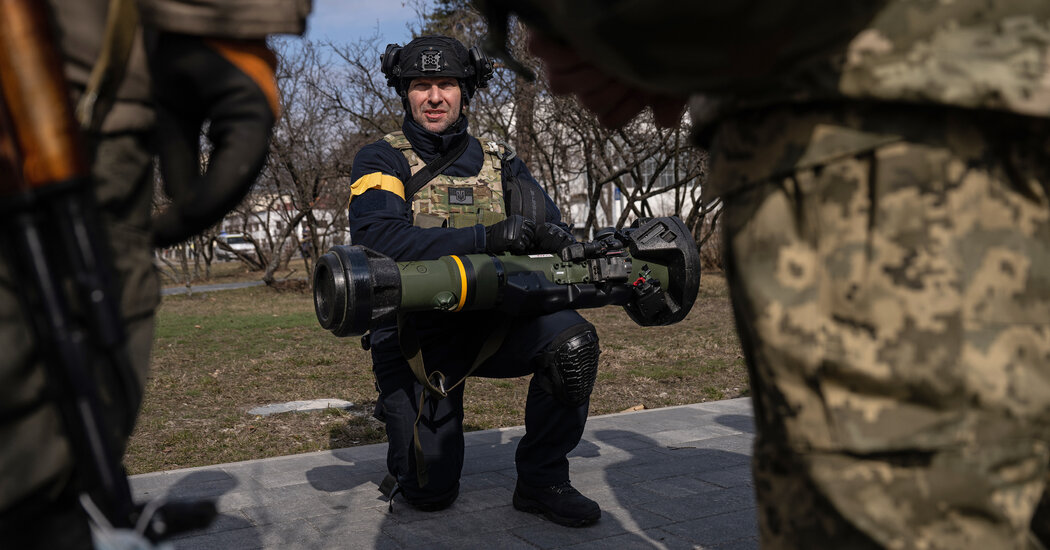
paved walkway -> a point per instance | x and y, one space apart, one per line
665 478
208 288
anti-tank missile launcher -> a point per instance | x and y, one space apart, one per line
652 269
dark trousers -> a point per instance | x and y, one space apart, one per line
450 344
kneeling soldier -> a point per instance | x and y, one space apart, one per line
457 205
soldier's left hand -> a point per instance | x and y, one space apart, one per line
230 85
551 238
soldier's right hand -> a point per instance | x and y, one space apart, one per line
513 235
614 101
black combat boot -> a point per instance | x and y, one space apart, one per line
431 503
434 503
560 503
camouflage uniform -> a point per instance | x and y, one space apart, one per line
885 169
894 305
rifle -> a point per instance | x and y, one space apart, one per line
54 241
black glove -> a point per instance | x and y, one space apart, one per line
194 82
513 234
551 237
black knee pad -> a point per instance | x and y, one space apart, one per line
570 365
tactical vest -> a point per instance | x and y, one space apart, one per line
448 201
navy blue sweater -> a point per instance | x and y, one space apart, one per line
382 221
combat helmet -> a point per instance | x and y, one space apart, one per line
434 56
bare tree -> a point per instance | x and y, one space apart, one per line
337 100
297 204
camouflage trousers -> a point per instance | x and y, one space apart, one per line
38 506
894 307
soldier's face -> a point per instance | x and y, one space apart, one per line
435 102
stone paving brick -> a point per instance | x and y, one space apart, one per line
296 534
282 478
696 458
667 478
742 422
364 496
602 478
652 464
493 463
674 438
247 538
357 455
626 495
430 533
359 539
188 488
224 522
678 486
718 529
742 544
646 540
616 437
483 499
485 480
729 477
551 535
491 541
633 518
703 504
736 443
266 497
738 406
609 459
150 483
289 509
335 478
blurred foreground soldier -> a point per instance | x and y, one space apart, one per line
885 168
210 62
432 190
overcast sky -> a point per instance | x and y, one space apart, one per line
348 20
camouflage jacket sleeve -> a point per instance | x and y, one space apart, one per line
381 219
973 54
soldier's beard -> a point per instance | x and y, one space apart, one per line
439 126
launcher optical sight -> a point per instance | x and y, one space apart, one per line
652 269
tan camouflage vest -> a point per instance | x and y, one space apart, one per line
456 202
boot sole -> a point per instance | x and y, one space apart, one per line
532 507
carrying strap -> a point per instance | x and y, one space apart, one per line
434 383
122 23
525 199
433 169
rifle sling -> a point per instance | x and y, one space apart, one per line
122 23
